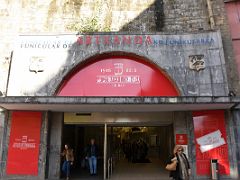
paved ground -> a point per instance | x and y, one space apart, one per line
129 171
140 171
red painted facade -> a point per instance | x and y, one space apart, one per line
233 13
211 141
118 76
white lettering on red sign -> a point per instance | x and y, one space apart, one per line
24 143
117 76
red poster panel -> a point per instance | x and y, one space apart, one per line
236 48
233 11
24 142
118 76
181 139
211 141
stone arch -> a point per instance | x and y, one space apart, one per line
161 84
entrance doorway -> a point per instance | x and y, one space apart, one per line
132 151
78 137
139 152
123 75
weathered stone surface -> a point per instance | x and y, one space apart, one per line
54 146
169 16
169 52
3 120
139 16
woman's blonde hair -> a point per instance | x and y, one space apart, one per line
176 148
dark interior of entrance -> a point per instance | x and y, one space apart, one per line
139 143
78 137
127 147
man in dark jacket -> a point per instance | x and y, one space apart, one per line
92 154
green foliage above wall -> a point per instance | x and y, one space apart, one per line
87 25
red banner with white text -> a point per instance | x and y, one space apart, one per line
24 143
211 141
118 76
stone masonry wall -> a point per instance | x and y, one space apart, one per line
67 16
171 53
3 124
221 22
64 16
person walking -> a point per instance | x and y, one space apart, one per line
92 154
68 160
182 170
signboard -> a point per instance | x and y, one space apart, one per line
181 139
118 76
211 142
24 142
67 41
44 59
78 118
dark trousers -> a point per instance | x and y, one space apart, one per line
66 168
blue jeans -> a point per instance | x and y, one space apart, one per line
92 164
66 168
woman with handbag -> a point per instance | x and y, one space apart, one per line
178 165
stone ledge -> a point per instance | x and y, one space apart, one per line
118 100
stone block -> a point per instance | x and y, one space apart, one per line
219 89
205 90
192 90
203 76
214 58
217 74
